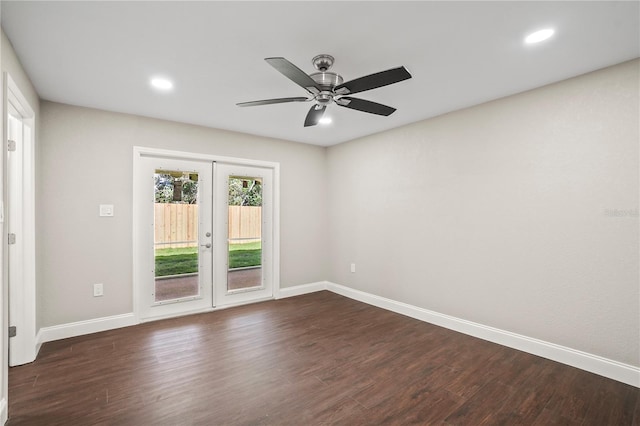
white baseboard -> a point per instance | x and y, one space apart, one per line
595 364
63 331
302 289
38 343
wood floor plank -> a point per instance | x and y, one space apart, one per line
488 400
317 359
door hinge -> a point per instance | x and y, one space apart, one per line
11 145
12 331
12 238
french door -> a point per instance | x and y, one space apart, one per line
176 231
204 235
244 248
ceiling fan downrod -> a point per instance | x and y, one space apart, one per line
323 62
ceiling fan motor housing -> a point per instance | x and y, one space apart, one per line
327 81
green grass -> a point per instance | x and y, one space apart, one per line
245 254
246 246
177 261
175 251
176 264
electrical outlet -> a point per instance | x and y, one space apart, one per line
98 290
353 268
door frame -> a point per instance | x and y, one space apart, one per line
22 304
138 179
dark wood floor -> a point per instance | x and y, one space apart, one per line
313 359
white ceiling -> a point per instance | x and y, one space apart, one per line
102 55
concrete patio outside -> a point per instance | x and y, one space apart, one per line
177 287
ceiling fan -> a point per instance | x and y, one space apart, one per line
326 87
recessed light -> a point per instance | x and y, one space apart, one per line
325 120
161 83
539 36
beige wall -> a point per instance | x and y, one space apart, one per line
504 213
86 160
11 64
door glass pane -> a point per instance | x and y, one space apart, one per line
244 254
176 235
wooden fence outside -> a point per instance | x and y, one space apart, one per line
245 223
176 225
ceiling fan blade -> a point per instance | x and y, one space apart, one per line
373 81
365 106
272 101
294 74
314 115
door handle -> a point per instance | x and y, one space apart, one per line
208 245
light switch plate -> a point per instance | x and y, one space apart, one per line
106 210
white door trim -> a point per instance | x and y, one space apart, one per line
22 303
4 290
140 152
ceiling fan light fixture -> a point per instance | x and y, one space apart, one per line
161 83
325 120
538 36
